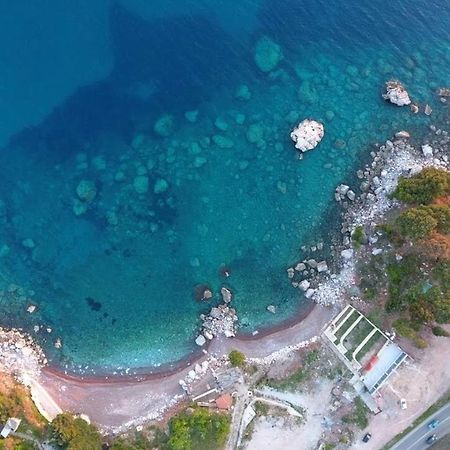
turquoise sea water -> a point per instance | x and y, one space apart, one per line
81 88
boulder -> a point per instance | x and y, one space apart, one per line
191 116
402 135
427 150
201 340
307 135
140 184
272 309
86 190
351 195
226 295
255 133
300 267
304 285
222 141
444 92
309 293
428 110
243 93
347 253
267 54
161 185
396 93
290 272
322 266
164 126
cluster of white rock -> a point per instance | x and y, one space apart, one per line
20 355
307 135
396 93
221 320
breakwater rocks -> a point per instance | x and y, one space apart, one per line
221 320
20 355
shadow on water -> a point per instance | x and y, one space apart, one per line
166 65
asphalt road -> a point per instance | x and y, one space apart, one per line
415 440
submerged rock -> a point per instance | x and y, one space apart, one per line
267 54
255 133
307 135
86 190
222 141
396 93
243 93
140 184
164 126
428 110
191 116
272 309
161 185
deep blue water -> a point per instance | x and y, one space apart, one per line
81 87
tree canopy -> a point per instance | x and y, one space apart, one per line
424 187
74 433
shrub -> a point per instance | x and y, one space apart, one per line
419 342
439 331
416 223
358 237
236 358
74 433
199 429
424 187
404 328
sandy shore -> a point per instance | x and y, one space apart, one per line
117 404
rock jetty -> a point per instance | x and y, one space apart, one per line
396 93
307 135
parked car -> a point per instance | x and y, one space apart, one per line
433 424
367 437
403 404
431 439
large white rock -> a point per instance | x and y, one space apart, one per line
396 93
427 150
307 134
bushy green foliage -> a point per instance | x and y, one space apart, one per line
236 358
10 405
416 223
402 282
404 328
359 414
199 429
358 237
424 187
73 433
439 331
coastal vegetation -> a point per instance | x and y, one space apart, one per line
236 358
411 277
74 433
16 402
197 428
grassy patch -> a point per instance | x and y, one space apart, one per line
346 325
359 414
301 375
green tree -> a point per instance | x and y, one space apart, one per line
416 223
424 187
236 358
74 433
198 429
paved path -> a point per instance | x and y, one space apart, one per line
415 440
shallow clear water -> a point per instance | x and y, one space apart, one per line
80 93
